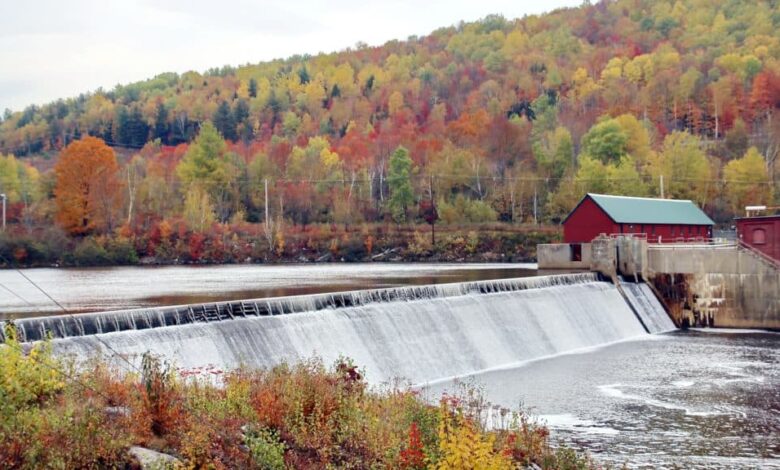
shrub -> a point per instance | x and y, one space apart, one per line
291 416
89 253
48 423
121 251
462 445
26 379
160 398
266 449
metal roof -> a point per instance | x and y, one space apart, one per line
642 210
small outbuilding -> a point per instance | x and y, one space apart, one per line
761 233
661 220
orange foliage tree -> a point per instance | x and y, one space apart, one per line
88 190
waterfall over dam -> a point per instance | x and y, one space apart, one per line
416 333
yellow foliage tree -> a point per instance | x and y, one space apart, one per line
26 378
747 181
463 447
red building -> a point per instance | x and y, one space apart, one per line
662 220
762 233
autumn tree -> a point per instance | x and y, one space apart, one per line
88 188
685 168
606 141
210 166
554 152
747 181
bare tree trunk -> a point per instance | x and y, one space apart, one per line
268 226
512 202
130 196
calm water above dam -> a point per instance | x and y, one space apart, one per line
680 400
101 289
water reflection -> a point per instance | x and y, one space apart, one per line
89 290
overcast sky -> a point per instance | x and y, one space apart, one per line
53 49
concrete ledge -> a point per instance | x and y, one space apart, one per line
561 256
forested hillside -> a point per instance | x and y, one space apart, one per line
500 120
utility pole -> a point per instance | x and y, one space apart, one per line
4 202
535 220
662 187
266 203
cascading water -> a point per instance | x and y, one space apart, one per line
417 333
647 306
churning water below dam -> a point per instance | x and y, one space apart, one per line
696 399
595 361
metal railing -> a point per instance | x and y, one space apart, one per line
677 241
759 254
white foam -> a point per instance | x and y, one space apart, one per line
571 422
418 340
613 390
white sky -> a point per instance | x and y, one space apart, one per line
53 49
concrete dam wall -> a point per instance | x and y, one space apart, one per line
735 287
419 334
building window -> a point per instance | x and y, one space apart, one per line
576 252
759 236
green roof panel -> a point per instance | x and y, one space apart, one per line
642 210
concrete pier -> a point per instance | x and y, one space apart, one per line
731 284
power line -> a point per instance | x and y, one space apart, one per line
100 340
40 289
19 296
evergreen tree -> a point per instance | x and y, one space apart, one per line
252 88
139 129
243 125
161 127
400 182
225 122
240 111
303 75
121 127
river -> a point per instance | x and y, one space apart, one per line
101 289
696 399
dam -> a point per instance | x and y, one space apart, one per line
581 352
417 333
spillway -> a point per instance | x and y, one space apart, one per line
420 334
648 307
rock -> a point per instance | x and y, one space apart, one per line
151 459
118 411
147 260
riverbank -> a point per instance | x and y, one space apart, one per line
304 416
172 244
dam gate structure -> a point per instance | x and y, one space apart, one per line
702 282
